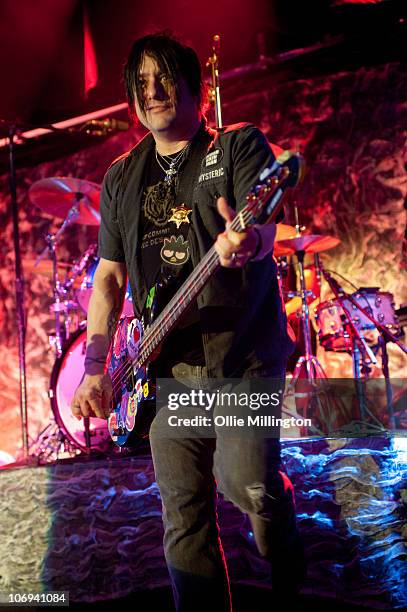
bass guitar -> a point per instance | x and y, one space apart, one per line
137 341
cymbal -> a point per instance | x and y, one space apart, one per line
56 196
309 243
44 267
284 231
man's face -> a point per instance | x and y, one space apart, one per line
161 112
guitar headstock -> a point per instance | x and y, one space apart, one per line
265 198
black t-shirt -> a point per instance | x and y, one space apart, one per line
242 319
165 250
164 228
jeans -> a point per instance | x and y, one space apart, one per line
189 471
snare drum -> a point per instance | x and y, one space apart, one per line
332 334
86 287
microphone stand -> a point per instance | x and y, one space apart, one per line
213 62
19 292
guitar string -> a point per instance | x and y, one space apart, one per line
175 302
155 335
153 332
171 309
129 366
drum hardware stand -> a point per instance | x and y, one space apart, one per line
59 306
79 267
317 265
313 367
298 228
360 349
382 343
64 290
308 361
360 366
358 341
19 289
87 434
52 445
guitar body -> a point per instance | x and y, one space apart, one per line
133 401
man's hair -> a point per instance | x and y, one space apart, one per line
173 59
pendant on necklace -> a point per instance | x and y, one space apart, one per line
180 215
170 173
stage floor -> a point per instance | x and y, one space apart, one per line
92 526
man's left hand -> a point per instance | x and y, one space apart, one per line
234 248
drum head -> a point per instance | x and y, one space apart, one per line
331 331
66 376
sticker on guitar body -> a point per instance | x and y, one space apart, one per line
131 411
134 335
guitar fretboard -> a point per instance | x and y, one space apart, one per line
268 192
189 290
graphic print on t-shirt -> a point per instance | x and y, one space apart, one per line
165 226
175 251
180 215
165 235
158 202
171 242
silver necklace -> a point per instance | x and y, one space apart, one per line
174 163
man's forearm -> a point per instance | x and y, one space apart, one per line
104 310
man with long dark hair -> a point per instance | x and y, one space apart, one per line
163 205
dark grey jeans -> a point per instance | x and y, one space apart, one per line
189 471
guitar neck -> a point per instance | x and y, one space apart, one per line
265 200
188 291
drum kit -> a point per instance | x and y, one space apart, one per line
344 324
341 322
76 201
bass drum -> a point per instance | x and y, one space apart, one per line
66 376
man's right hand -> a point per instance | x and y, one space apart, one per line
92 397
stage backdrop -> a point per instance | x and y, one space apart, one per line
351 128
